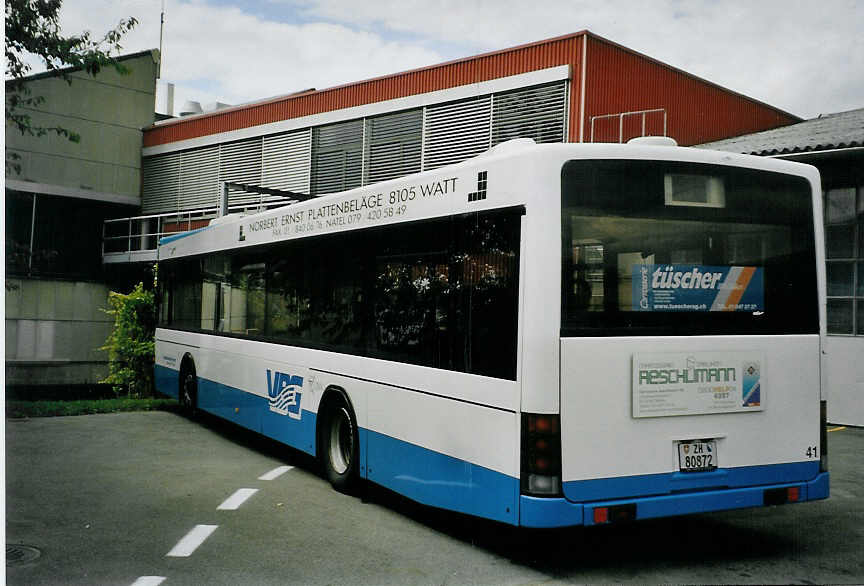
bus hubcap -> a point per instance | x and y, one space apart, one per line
341 441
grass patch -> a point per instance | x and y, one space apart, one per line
21 409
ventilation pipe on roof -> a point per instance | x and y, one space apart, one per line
213 106
190 107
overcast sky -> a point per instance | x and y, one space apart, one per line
805 57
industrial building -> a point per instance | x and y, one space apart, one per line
576 88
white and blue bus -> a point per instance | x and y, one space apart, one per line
544 335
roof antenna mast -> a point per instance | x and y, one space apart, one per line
161 30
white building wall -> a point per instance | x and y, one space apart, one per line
844 365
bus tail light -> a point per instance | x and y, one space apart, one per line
616 514
781 496
541 454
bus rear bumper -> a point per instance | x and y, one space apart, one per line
559 512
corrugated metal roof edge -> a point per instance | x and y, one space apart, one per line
291 96
808 149
729 144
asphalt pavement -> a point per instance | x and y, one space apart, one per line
154 498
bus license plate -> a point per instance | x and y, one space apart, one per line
698 456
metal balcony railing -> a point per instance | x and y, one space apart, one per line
622 115
135 239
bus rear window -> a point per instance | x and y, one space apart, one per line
672 248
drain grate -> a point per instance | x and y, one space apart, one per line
18 555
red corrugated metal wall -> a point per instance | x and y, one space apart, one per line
619 80
554 52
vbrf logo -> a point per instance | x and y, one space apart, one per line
284 393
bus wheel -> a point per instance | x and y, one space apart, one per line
188 391
340 446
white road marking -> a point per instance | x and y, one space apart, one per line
233 502
186 546
149 581
275 473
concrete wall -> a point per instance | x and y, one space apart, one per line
54 327
54 330
108 111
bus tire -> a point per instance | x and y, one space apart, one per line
188 394
339 443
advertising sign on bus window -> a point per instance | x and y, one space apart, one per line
693 287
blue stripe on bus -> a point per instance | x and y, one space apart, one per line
420 474
559 512
670 482
438 480
179 235
167 381
245 409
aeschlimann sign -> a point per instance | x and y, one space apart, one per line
655 376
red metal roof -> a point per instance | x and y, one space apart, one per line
617 79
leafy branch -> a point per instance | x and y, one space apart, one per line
33 30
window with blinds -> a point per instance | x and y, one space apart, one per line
456 131
344 155
393 145
240 162
337 157
536 112
160 183
199 178
287 161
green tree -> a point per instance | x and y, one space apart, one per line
131 343
33 32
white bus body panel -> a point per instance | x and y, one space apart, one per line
602 439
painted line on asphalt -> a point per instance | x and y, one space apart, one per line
149 581
233 502
836 429
275 473
186 546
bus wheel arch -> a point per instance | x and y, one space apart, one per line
338 440
187 393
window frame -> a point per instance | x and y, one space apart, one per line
853 225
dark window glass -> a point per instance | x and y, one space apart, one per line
19 220
180 284
287 297
840 278
860 313
840 241
440 293
840 205
839 316
66 238
861 236
859 291
659 248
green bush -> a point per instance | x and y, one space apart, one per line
130 345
